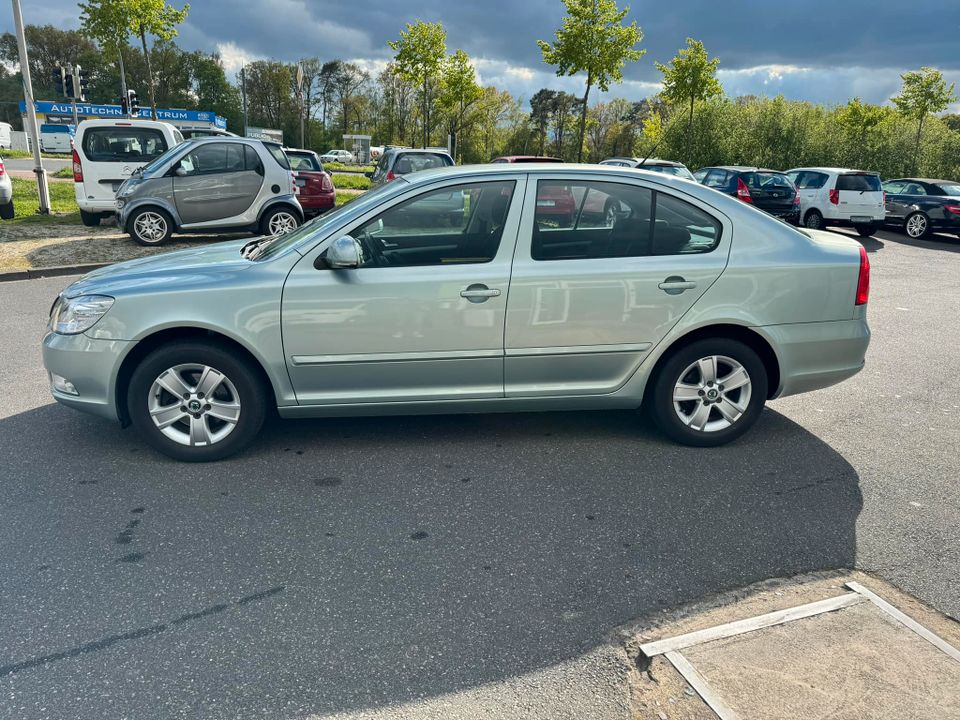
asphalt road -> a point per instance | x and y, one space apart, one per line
445 566
51 165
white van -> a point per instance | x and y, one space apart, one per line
106 152
56 138
6 130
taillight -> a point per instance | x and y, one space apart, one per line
796 198
2 171
743 192
835 197
863 282
955 209
391 176
77 167
326 184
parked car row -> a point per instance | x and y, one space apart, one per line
158 183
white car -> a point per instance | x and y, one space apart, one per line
340 156
839 197
6 194
106 152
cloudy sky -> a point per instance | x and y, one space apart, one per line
818 50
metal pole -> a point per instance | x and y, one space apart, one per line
123 76
42 190
243 95
301 120
73 99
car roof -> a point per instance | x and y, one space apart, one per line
929 181
838 171
740 168
299 150
407 151
121 122
529 158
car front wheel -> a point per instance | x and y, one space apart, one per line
709 392
196 401
917 226
150 226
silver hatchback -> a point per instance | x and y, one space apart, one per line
219 184
556 287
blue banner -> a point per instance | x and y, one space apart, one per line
108 111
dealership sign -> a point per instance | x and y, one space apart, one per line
114 111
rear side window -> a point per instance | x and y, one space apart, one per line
951 190
859 183
278 154
415 162
251 160
767 181
715 179
123 144
588 220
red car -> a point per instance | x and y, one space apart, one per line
315 189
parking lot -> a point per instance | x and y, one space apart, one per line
359 565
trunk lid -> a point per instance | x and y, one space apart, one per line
860 194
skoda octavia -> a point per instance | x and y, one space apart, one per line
653 292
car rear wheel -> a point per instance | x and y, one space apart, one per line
196 401
917 225
865 230
279 221
90 219
709 393
813 220
150 226
7 211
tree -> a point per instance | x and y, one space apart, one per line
420 53
108 23
458 91
345 83
541 109
923 92
268 93
112 22
593 40
689 77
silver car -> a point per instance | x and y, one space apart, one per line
221 184
685 301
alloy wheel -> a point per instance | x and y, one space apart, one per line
712 393
150 227
916 225
282 222
194 404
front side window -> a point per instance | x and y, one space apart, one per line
123 144
453 225
213 159
595 219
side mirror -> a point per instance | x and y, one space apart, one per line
179 171
344 252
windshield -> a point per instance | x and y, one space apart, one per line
303 161
313 227
160 161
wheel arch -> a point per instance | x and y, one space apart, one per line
811 211
151 342
287 202
748 336
153 204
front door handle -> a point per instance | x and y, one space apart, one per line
674 285
478 293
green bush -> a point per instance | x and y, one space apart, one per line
351 182
335 166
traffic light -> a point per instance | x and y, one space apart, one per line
60 80
81 82
68 88
133 104
123 105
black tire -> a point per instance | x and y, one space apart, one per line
661 396
865 230
916 220
164 225
7 211
243 380
90 219
269 215
813 220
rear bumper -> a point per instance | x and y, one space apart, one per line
817 355
313 204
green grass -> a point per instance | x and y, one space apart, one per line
351 182
63 203
28 154
64 172
344 199
334 166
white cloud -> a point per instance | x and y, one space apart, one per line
234 57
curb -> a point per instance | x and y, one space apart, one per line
54 271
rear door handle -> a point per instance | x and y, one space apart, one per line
674 285
478 293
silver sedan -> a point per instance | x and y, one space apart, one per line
555 287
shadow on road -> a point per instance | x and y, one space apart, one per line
416 556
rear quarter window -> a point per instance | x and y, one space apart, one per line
278 154
123 144
859 183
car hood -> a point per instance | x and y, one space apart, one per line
201 264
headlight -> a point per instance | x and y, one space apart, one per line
76 315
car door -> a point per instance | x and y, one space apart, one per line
422 318
589 300
216 181
895 208
810 185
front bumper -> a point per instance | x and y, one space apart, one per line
820 354
91 365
